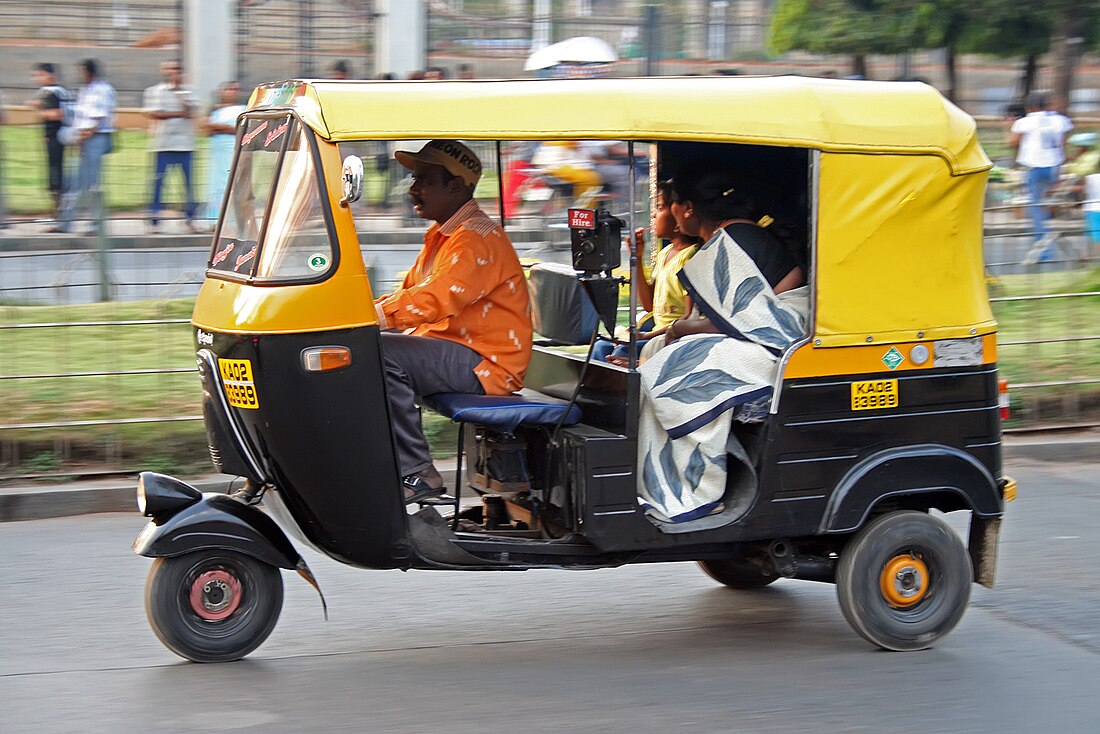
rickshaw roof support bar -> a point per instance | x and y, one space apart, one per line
635 268
500 186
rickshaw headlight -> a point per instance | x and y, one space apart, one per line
158 493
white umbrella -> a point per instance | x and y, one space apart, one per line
578 50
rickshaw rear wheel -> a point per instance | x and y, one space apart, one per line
213 606
903 581
737 573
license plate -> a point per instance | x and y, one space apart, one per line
240 390
874 394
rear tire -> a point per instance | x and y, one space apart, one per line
213 606
903 581
737 573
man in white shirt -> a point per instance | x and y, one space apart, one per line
94 123
1040 136
171 106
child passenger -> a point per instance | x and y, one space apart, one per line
663 296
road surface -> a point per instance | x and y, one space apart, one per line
643 648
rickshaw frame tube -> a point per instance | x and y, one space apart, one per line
924 469
219 522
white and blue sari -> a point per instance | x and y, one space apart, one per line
692 388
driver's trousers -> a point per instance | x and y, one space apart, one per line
420 365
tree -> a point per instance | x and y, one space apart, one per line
1064 28
854 27
1007 28
1075 28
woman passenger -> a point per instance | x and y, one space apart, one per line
711 206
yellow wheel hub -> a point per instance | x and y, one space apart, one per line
904 580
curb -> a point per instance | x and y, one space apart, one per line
39 503
1078 446
114 495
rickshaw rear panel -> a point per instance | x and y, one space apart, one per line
940 448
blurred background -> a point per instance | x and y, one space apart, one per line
96 359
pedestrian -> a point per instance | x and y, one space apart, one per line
1085 168
435 72
51 104
1040 137
3 209
466 70
171 106
221 126
94 128
339 70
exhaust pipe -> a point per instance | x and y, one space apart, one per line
791 565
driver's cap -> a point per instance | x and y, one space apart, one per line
451 154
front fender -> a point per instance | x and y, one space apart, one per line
221 522
911 470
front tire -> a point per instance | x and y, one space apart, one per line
213 606
903 581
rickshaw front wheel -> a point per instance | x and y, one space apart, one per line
737 573
213 606
904 581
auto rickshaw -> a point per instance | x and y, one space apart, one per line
885 411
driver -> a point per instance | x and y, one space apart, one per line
460 322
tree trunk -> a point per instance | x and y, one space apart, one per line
859 65
1027 79
1066 45
951 71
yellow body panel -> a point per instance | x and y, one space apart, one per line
342 301
899 251
811 361
826 114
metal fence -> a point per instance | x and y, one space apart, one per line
96 387
95 23
324 31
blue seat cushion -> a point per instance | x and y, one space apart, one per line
503 413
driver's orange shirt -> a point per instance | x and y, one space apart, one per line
467 286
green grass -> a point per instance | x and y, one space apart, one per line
1052 318
91 348
127 171
67 349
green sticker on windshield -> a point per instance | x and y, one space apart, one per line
318 262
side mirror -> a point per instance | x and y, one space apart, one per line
352 177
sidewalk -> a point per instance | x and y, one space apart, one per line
117 494
37 502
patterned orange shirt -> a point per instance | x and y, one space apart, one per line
467 286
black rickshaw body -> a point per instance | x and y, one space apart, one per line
287 280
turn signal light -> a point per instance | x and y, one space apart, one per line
325 359
1002 399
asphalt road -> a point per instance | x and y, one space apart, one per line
637 649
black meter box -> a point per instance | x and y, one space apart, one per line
596 239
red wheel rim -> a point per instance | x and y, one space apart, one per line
215 595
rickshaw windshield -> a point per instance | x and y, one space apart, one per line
273 227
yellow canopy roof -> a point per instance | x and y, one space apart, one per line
826 114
